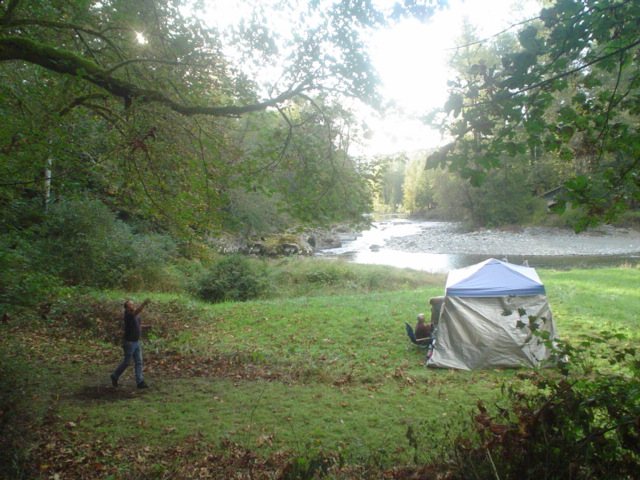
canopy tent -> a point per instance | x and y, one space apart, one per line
488 317
493 278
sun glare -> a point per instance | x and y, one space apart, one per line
141 39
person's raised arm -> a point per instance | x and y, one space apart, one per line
141 307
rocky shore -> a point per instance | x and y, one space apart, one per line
449 238
290 243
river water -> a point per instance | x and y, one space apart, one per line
392 241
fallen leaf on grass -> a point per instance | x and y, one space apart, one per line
265 440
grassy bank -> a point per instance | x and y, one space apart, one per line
270 386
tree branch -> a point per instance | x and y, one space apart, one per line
65 62
9 22
147 60
577 69
558 76
81 101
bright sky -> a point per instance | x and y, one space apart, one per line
411 59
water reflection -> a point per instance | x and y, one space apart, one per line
369 248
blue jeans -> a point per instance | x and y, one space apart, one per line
131 350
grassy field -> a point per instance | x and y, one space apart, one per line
253 385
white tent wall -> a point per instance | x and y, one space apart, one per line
488 332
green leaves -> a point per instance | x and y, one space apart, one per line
454 104
529 41
567 97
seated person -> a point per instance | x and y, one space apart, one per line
436 307
422 330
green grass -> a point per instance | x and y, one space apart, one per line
303 375
595 299
311 277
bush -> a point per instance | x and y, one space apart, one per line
581 425
149 268
501 200
21 284
232 278
581 429
82 242
17 389
570 218
629 219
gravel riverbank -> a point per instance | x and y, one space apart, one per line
449 238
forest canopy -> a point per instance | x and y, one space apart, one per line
137 104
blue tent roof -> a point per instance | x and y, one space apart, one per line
493 278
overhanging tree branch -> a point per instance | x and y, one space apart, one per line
147 60
7 21
65 62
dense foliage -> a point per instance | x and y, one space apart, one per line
231 279
583 429
566 94
583 424
140 105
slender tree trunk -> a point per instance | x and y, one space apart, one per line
47 184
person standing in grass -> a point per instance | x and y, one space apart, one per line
131 345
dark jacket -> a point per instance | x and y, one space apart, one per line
132 328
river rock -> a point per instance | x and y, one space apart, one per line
228 244
267 245
293 242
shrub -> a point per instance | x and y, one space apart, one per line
21 284
570 218
13 421
581 426
232 278
582 429
629 219
82 242
149 267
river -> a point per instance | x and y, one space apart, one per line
439 247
